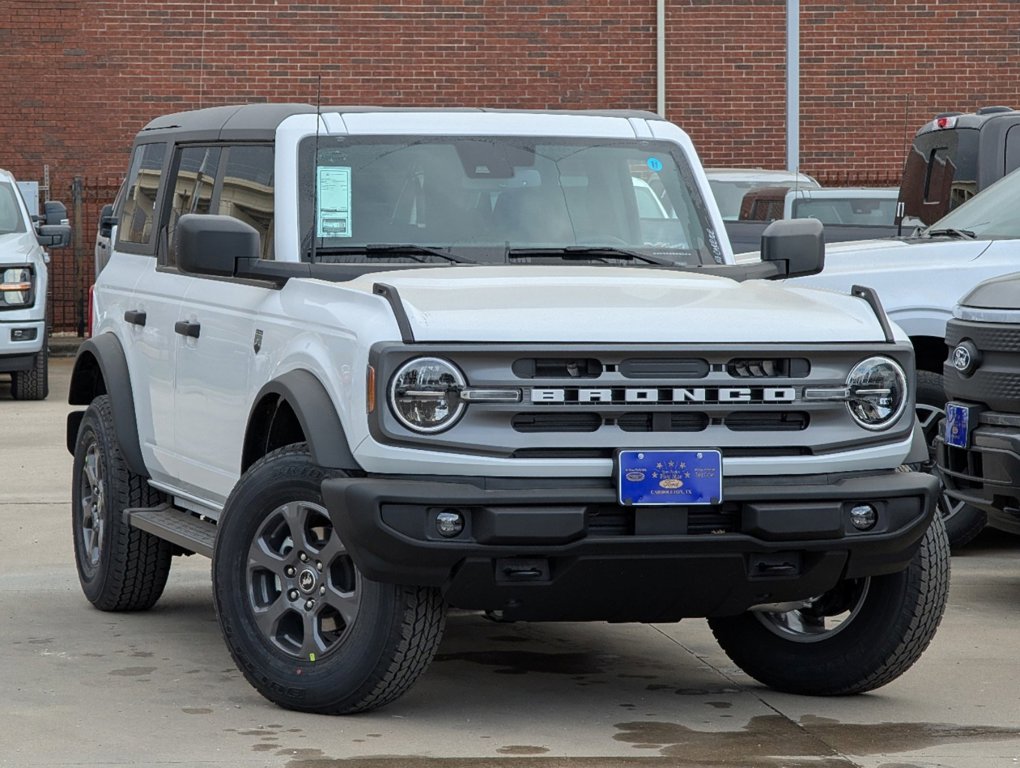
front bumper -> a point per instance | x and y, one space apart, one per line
987 474
20 355
566 550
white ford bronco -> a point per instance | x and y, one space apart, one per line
379 362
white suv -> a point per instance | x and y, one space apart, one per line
23 283
375 362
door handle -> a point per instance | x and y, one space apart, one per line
135 317
184 328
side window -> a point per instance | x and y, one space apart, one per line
247 190
1012 149
192 188
139 207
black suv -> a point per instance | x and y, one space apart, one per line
979 450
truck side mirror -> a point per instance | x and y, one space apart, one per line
54 212
55 232
206 244
795 246
106 220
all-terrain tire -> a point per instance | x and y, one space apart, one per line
32 384
306 629
963 521
891 621
120 568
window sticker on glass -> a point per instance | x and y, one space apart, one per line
333 190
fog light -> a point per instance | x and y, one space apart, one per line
23 334
863 517
449 523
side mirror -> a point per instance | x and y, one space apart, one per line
106 220
795 246
207 244
54 212
54 235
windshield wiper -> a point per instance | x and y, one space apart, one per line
411 250
587 252
959 234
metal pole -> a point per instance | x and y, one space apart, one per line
660 57
78 207
792 84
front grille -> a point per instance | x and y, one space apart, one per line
995 381
771 367
663 422
988 337
556 422
767 421
588 401
664 368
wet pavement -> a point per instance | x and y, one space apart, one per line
85 688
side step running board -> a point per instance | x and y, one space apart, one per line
176 526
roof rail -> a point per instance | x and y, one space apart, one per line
994 109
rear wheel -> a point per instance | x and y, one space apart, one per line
308 631
963 521
857 637
120 568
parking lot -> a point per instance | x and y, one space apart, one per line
86 688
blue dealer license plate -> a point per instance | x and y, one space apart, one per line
669 477
957 425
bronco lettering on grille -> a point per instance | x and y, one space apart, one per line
665 395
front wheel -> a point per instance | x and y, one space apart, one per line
306 629
120 568
860 636
32 384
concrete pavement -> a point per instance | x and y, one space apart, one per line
85 688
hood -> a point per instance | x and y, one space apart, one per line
533 304
846 256
18 248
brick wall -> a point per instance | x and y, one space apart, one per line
77 79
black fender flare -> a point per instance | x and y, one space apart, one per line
109 355
315 412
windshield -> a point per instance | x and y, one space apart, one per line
10 212
855 210
988 215
502 200
730 194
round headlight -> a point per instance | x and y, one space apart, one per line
425 394
877 392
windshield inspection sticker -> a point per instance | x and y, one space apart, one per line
333 193
655 164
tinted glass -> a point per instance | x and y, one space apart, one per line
247 191
989 215
193 186
136 219
849 210
940 173
11 219
480 197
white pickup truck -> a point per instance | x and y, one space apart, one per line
377 362
23 282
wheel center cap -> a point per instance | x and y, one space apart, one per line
306 580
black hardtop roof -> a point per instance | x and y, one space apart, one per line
260 121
